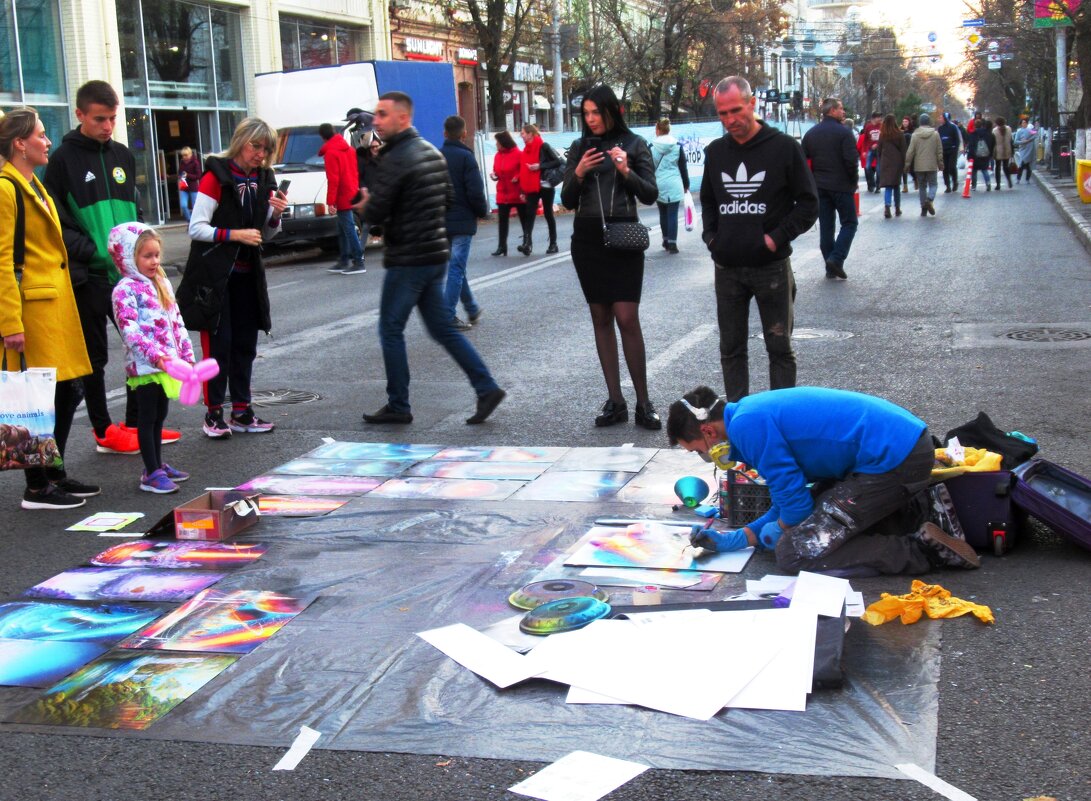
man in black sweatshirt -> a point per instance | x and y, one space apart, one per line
756 197
835 165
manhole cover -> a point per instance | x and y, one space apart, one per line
282 397
814 333
1045 333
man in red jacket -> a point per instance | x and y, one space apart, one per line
342 188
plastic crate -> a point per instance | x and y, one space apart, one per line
742 500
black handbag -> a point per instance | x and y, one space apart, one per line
632 236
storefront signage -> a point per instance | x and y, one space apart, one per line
467 56
423 49
528 73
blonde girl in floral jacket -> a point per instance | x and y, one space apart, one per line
152 330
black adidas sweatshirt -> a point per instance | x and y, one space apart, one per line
761 187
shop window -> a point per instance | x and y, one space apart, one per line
230 73
31 60
178 43
289 44
9 66
133 76
307 43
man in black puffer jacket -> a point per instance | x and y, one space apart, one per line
409 198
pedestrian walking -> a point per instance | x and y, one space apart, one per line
868 147
609 171
980 146
951 139
224 293
409 199
153 332
672 179
342 188
189 176
467 205
1024 140
535 158
39 320
830 149
892 150
925 154
757 195
505 172
1002 151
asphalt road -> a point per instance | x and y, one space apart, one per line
933 317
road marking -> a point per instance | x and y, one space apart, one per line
289 283
675 351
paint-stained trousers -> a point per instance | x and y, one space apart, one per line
861 525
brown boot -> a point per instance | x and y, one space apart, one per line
886 212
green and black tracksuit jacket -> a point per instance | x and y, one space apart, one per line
94 188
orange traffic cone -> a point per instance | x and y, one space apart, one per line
969 173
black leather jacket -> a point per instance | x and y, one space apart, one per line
618 196
408 198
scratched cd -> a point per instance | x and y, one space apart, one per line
540 592
566 614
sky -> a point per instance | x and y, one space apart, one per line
916 19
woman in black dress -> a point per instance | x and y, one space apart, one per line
612 165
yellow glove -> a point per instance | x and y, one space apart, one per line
930 599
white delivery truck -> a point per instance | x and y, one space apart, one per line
298 101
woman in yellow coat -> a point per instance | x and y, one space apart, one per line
38 316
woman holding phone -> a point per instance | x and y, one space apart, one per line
611 166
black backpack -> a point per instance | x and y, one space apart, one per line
982 433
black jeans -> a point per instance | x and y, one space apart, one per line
547 194
950 169
860 525
66 397
773 286
503 217
96 308
151 408
1001 171
234 343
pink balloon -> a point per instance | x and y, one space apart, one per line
192 376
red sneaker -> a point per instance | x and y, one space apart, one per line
117 440
169 437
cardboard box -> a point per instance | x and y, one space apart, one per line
216 515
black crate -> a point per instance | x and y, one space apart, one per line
741 500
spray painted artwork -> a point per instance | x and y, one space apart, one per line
124 584
101 624
310 485
124 690
627 460
382 468
234 622
651 545
40 663
297 505
373 450
447 489
508 454
168 554
499 471
573 485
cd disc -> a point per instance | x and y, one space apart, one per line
566 614
539 592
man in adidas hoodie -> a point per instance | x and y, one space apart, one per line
92 180
757 195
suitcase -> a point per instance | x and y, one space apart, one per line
983 503
1057 497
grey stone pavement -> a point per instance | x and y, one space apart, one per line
1065 195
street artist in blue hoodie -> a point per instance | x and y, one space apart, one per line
866 458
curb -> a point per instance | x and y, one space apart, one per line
1073 215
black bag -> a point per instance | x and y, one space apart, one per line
982 433
632 236
554 176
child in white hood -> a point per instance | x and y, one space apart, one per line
152 329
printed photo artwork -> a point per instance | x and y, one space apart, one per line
373 450
40 663
383 468
105 521
100 624
124 690
310 485
447 489
171 554
234 622
498 471
503 454
124 584
298 505
650 545
573 485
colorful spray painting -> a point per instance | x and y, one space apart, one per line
508 454
124 584
381 468
497 471
573 485
101 624
310 485
233 622
40 663
447 489
124 690
298 505
174 555
373 450
650 545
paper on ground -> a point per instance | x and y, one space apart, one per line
934 782
854 604
105 521
823 594
637 575
580 776
768 585
481 654
304 741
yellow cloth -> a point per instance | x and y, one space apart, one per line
930 599
976 460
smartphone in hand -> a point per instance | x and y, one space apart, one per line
283 187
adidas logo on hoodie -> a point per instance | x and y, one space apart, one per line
742 186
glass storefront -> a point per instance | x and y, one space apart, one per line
32 63
310 43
